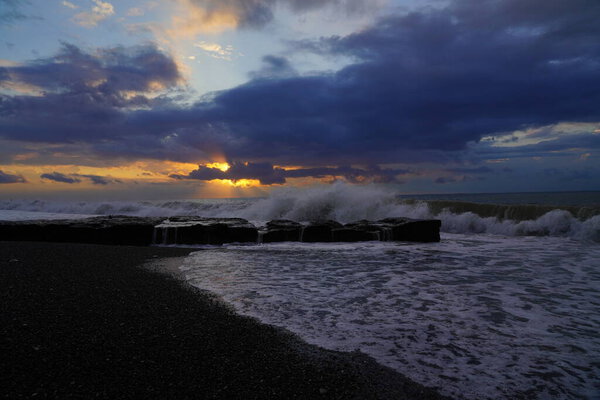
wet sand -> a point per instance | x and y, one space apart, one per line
89 321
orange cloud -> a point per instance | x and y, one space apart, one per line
194 19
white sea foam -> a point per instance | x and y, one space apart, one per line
479 316
348 203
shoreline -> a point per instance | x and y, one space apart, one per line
81 321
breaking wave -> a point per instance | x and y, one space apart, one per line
347 203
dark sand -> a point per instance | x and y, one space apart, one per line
82 321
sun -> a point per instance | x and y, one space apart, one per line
245 183
223 166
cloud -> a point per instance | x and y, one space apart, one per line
267 174
445 180
429 81
215 50
99 12
213 16
70 5
476 170
10 178
99 180
10 11
422 87
274 67
75 178
86 96
58 177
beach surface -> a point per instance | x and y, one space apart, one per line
90 321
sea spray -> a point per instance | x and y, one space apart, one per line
347 203
340 202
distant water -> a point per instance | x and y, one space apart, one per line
581 199
507 306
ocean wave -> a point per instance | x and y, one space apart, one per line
347 203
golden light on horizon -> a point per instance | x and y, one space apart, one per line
223 166
242 182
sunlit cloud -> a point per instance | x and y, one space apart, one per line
216 50
269 174
8 63
13 84
99 12
193 19
540 134
70 5
215 16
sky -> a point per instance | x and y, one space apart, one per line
177 99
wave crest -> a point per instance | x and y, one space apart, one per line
348 203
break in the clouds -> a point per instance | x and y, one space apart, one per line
10 178
421 86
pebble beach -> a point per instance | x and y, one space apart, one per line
91 321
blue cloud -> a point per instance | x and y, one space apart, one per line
75 178
9 11
58 177
10 178
85 96
99 180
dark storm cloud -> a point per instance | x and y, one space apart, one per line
422 86
454 179
58 177
84 95
264 172
422 82
444 180
99 180
476 170
268 174
274 67
10 178
76 178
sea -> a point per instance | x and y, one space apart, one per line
505 306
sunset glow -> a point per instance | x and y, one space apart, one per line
194 96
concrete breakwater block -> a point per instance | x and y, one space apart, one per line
116 230
194 230
281 230
389 229
144 231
